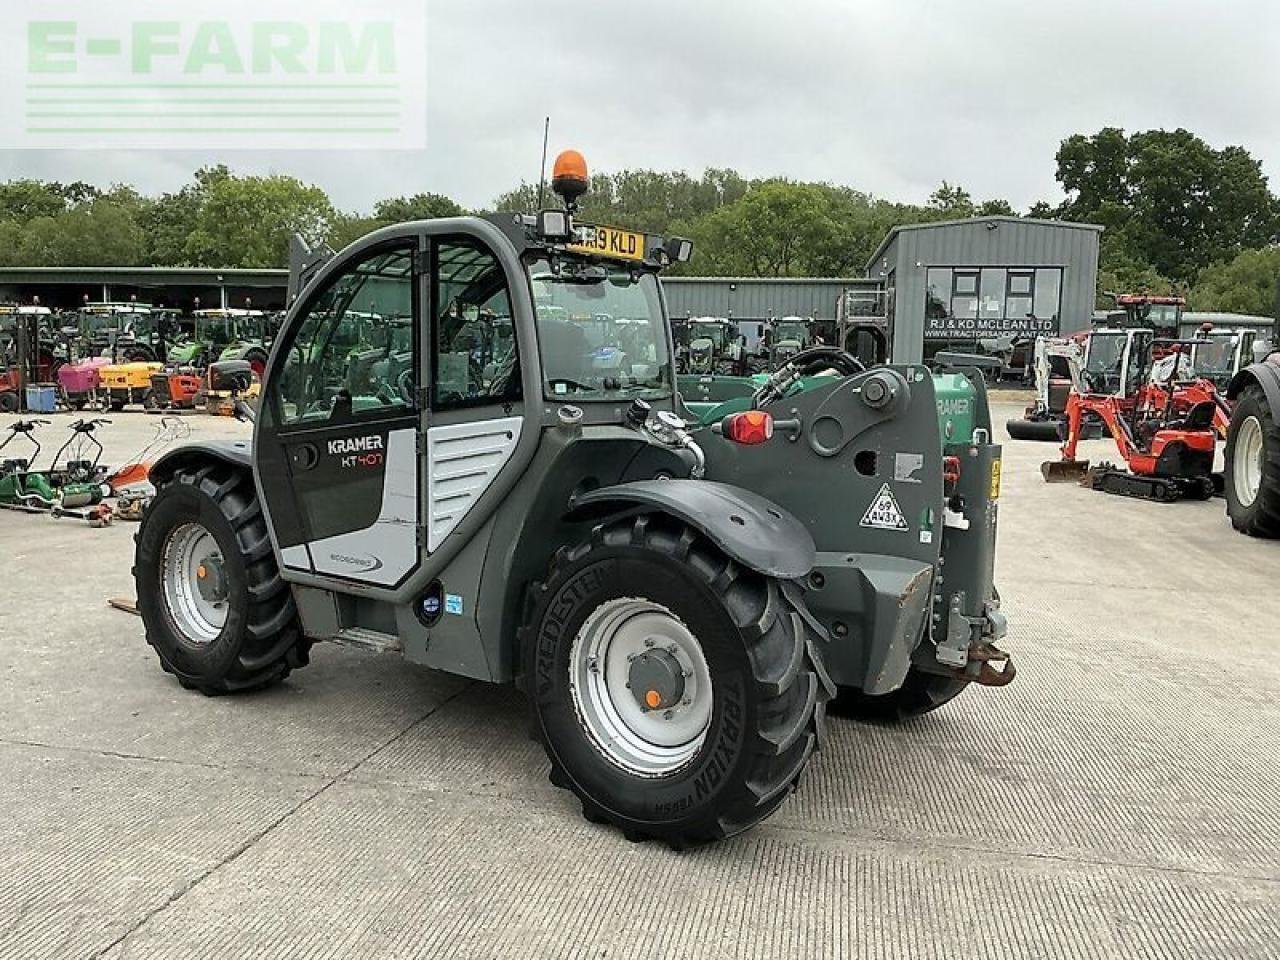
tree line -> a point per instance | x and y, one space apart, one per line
1181 216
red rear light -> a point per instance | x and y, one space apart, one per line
951 470
749 428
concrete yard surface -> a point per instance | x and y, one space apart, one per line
1120 799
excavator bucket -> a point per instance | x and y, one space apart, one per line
1064 471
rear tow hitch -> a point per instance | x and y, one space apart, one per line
981 668
969 647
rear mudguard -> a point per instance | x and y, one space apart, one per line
755 532
238 453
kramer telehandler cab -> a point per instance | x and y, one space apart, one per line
678 600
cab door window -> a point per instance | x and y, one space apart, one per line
354 353
475 357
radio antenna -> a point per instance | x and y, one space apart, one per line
542 173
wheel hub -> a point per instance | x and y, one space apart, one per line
211 579
195 585
1248 465
656 679
641 686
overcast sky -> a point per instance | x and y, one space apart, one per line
890 97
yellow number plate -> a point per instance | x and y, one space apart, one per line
611 242
995 480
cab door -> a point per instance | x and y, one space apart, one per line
336 438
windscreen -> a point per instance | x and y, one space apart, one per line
600 329
707 331
1215 356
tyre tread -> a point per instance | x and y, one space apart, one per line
274 643
791 687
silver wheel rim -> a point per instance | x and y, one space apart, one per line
188 555
1246 463
650 743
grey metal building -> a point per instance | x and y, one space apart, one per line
986 278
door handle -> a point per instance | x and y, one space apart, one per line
304 457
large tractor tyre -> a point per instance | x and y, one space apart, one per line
8 402
919 694
216 610
1253 466
1042 430
678 695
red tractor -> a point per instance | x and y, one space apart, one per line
1163 425
1161 315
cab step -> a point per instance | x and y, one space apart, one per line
372 640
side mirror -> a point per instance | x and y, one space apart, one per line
233 376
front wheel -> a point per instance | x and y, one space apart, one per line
677 695
214 605
1252 482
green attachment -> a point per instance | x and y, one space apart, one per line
712 398
957 407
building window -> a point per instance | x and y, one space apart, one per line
937 295
964 295
1048 295
1021 294
991 305
976 302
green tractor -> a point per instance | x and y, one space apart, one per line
679 595
790 335
714 347
129 332
224 334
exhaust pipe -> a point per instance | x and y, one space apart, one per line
1064 471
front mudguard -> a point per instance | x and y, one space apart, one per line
755 532
233 453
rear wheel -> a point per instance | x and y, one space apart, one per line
139 354
8 402
1252 482
677 694
216 610
919 694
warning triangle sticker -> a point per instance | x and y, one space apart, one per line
884 512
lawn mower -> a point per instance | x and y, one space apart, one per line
1164 430
74 489
678 597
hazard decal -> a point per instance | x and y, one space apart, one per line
884 512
